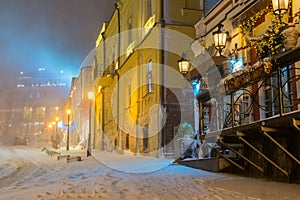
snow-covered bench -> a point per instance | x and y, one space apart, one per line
73 158
59 157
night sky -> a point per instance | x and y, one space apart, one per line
52 34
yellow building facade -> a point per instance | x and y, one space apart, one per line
139 102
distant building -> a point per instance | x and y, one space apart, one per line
79 104
34 103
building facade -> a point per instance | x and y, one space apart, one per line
138 106
246 84
249 106
79 103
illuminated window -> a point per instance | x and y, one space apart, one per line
149 76
40 111
27 112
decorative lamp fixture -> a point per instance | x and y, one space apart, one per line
184 65
220 38
68 111
280 6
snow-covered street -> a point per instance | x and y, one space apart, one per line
29 173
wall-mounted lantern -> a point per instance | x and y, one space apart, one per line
184 65
280 6
220 38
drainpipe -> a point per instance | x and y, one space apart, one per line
118 76
161 137
94 126
103 116
119 31
137 125
102 125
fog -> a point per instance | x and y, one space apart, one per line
54 36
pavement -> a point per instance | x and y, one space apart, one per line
125 162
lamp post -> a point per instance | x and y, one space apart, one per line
53 124
56 122
51 127
90 97
68 130
102 118
56 140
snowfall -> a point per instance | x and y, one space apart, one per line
28 172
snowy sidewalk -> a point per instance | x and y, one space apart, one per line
130 163
126 162
39 176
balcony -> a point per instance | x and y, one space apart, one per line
252 126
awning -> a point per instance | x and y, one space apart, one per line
287 58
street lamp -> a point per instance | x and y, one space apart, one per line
220 38
90 97
56 120
53 124
68 130
55 142
184 65
280 6
51 127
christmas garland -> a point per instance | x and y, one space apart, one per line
267 44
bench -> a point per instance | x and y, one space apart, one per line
59 157
73 158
